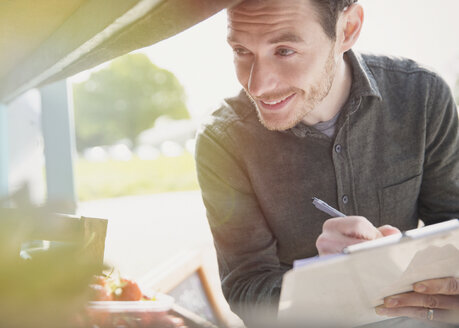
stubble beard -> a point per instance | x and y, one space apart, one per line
311 98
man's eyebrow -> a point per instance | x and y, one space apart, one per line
286 37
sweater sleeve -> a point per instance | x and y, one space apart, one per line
250 271
439 195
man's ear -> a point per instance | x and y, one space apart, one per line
349 26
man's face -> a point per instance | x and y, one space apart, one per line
283 58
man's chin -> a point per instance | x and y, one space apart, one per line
280 120
276 124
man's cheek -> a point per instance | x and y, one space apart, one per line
242 73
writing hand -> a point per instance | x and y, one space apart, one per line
338 233
437 301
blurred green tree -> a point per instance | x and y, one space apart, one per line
124 99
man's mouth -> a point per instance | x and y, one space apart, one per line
276 104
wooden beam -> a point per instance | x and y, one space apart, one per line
167 19
101 30
91 24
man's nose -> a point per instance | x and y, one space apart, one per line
262 79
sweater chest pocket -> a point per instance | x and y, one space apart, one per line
399 203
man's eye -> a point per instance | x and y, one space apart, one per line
284 52
240 51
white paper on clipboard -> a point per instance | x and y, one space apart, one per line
351 285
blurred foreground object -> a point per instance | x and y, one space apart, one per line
46 286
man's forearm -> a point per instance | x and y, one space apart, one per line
254 297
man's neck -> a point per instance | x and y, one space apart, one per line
336 98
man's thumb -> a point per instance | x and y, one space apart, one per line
387 230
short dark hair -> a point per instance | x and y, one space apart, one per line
328 11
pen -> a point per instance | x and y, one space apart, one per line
324 207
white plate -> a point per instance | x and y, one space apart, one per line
161 303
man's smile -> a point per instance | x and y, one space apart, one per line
276 104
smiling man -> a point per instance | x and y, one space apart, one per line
271 77
374 136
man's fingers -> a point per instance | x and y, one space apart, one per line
420 313
445 308
338 233
387 230
445 286
333 243
412 312
422 300
356 227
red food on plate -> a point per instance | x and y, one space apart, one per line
100 293
106 288
127 291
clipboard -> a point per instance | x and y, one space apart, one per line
343 289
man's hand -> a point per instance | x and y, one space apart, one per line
338 233
435 299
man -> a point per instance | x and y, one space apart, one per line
375 137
